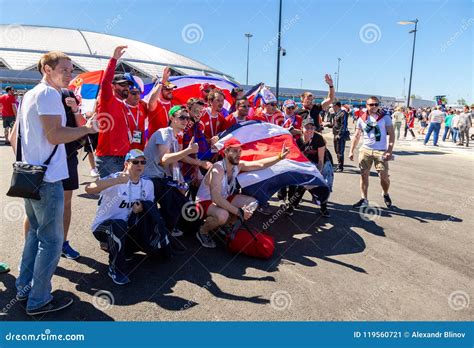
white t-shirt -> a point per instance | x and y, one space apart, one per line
369 138
42 101
116 202
437 116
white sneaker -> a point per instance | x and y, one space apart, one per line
94 173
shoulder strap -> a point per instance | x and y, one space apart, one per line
51 156
18 142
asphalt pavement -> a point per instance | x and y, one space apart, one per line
413 261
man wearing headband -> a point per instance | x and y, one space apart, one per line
165 153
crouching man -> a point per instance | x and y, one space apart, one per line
127 219
216 195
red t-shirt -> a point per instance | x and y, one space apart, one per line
136 122
113 135
7 102
260 115
158 118
212 125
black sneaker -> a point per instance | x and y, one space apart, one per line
289 211
363 203
56 304
387 200
324 211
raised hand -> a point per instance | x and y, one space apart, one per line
119 51
166 74
328 80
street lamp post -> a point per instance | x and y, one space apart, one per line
248 36
278 54
412 54
337 80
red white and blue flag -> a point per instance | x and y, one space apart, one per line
86 87
262 140
190 86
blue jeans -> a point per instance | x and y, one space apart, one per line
43 245
455 134
446 130
107 165
434 128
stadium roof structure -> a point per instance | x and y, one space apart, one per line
22 45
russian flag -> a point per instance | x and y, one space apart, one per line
86 88
262 140
189 86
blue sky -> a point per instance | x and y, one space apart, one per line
374 49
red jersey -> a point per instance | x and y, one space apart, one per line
136 116
7 102
232 119
260 115
158 118
111 115
212 125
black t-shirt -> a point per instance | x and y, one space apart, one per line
73 146
310 149
314 113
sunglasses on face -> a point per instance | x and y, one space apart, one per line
272 104
184 118
135 93
244 106
373 104
207 90
135 162
123 84
290 107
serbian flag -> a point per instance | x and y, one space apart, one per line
190 87
253 94
262 140
86 88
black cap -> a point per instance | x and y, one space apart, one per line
308 120
8 88
119 78
337 104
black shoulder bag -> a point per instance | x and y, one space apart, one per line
27 178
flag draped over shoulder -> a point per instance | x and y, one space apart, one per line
263 140
86 87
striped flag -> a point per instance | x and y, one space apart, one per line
262 140
189 86
86 87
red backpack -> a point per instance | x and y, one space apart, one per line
256 244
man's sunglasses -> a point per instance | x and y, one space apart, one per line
373 104
184 118
135 93
272 104
135 162
123 84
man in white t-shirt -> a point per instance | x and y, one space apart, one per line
376 148
120 194
436 118
42 126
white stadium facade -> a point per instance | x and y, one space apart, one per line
21 47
